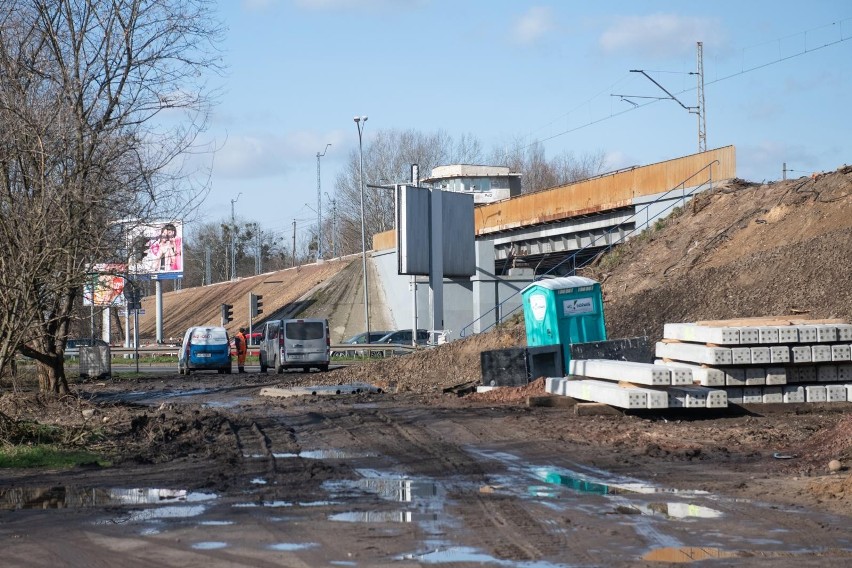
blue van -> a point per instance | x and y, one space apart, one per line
205 349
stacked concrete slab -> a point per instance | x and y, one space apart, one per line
765 360
632 385
712 364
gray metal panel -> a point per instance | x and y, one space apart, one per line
459 234
412 229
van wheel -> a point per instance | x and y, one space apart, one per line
186 371
263 366
323 368
227 370
306 369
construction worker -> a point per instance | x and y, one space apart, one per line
241 344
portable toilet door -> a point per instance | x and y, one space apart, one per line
563 311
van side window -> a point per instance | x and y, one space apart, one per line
272 331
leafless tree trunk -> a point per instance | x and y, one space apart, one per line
85 144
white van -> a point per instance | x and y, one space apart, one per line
295 344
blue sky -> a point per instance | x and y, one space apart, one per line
300 70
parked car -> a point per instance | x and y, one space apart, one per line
403 337
295 343
205 348
72 346
359 339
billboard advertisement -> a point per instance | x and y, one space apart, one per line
156 249
105 287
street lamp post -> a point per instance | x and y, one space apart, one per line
233 239
360 123
319 206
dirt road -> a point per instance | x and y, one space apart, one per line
209 473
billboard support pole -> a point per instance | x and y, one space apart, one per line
158 288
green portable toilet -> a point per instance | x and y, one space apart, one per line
562 311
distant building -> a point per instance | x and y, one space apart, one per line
486 183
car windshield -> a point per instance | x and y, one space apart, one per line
209 336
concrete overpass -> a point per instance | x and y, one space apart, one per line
543 228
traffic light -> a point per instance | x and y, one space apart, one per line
227 313
256 301
133 296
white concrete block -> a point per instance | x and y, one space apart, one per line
773 395
735 395
779 354
826 373
807 333
844 332
755 376
820 353
749 335
841 352
639 373
697 397
702 333
735 377
788 334
844 372
606 393
776 376
814 393
848 392
826 333
752 395
835 393
704 376
793 393
801 354
655 398
767 334
740 356
760 355
694 353
553 385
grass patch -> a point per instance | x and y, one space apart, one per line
50 457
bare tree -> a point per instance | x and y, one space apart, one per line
97 100
388 157
539 172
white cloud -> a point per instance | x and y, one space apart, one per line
660 35
264 154
533 25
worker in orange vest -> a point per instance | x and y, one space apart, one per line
241 345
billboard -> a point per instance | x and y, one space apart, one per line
105 287
414 222
156 249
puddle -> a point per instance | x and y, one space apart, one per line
70 497
471 555
331 454
167 512
227 404
292 546
424 500
209 545
270 504
583 484
384 517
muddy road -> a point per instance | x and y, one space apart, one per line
208 472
